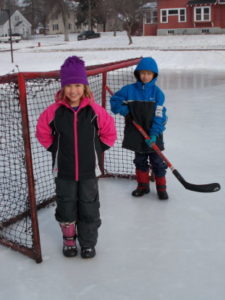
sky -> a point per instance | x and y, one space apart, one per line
147 249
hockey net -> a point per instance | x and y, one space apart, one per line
26 181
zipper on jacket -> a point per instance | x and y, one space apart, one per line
76 147
97 169
55 167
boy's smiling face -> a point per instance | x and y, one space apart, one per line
146 76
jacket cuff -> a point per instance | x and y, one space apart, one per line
50 148
124 110
104 146
151 133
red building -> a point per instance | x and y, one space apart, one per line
165 17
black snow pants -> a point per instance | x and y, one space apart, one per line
78 201
143 161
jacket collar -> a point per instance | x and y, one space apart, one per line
144 86
85 101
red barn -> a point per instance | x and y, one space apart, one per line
184 17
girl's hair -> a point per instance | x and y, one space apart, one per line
87 93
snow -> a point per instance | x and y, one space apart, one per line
28 56
147 249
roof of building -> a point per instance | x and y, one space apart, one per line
195 2
4 16
152 4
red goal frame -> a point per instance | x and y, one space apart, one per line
18 85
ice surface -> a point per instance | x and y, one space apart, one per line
147 249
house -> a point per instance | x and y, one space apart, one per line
113 23
150 18
19 24
55 24
185 17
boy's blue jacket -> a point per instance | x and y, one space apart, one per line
144 103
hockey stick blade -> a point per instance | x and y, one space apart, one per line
202 188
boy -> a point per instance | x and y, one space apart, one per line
143 102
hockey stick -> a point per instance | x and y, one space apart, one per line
203 188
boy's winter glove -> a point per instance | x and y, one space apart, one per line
151 141
124 110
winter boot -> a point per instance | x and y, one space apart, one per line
88 252
69 239
143 183
161 188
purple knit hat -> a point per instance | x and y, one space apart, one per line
73 71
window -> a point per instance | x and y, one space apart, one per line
147 17
180 12
164 16
221 1
55 27
202 14
182 15
155 16
151 17
173 12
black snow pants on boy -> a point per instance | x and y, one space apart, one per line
78 201
143 161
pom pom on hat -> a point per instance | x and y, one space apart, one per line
73 71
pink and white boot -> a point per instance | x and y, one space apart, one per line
69 239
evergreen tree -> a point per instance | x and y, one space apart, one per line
87 12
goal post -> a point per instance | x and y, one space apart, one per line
26 181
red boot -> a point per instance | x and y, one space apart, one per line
161 188
143 183
69 242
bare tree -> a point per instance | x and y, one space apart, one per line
8 4
37 12
2 4
62 6
33 11
87 11
130 13
65 7
44 9
102 11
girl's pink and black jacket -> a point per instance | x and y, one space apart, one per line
76 138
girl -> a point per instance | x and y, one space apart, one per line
77 131
143 102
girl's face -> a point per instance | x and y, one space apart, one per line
74 92
146 76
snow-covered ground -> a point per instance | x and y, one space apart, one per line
147 249
53 50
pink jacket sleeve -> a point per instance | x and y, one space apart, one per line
106 125
43 129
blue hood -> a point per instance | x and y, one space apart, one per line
147 64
